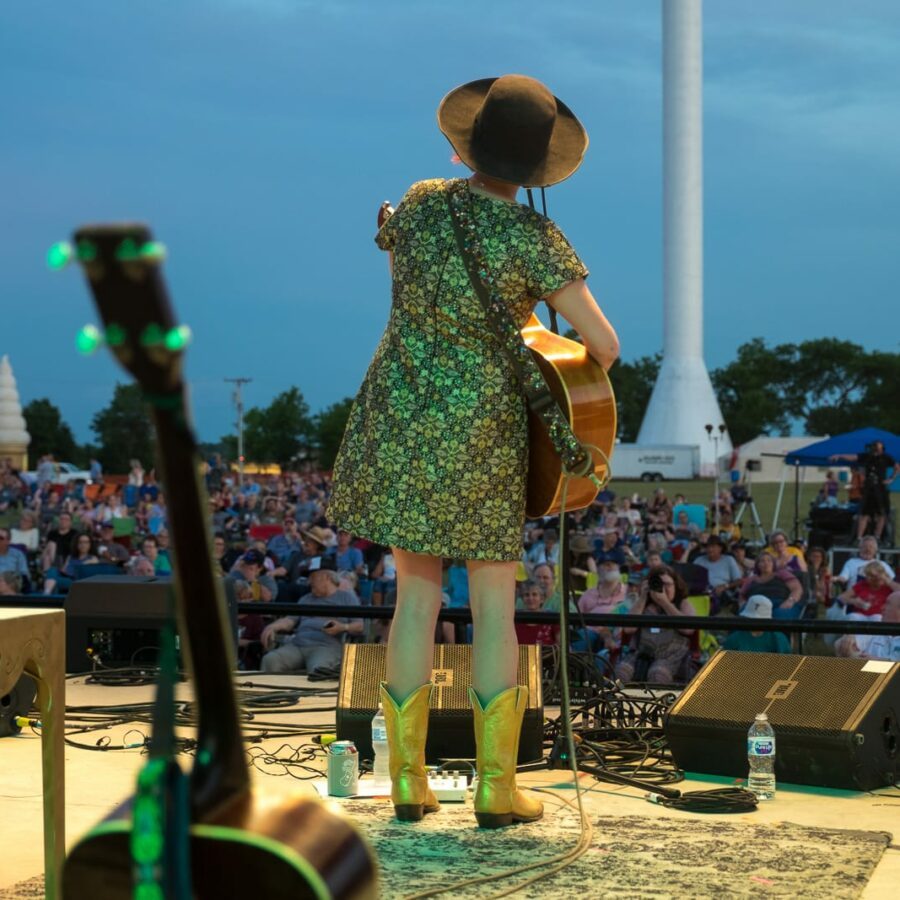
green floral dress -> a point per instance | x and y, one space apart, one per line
435 455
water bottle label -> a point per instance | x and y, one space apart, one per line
761 746
379 734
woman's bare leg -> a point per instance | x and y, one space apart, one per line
410 649
495 651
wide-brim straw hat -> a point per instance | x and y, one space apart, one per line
512 128
322 536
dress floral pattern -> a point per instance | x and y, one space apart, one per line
434 458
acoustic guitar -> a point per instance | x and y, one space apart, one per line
240 842
581 387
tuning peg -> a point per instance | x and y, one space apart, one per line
178 338
88 340
60 255
149 251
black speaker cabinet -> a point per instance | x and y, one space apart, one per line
450 724
836 721
119 617
16 703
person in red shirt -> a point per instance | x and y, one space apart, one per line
532 599
868 596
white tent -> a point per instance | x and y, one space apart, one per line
766 454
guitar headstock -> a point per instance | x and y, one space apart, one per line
122 263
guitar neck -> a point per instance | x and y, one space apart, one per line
220 769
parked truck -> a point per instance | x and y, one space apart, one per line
655 462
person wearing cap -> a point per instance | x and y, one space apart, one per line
251 568
434 458
315 643
757 607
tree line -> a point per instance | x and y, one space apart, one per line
821 386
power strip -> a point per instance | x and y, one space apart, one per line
449 788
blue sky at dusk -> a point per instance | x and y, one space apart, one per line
258 138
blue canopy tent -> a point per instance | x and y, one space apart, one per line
821 452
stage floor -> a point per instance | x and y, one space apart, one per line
96 781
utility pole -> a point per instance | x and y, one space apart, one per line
239 406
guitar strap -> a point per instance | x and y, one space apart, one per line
576 460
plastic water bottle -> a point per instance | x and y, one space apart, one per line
761 757
380 762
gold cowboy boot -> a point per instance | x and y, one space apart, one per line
497 729
407 726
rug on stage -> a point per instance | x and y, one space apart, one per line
635 856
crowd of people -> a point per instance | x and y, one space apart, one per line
272 540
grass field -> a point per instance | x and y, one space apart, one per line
765 495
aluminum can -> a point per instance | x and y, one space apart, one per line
343 769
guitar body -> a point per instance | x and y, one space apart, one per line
582 389
290 850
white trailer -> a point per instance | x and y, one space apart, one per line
655 462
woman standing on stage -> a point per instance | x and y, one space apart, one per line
434 458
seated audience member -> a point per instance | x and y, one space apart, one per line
874 646
385 580
532 599
150 549
221 563
629 517
683 529
348 557
738 550
116 555
286 543
659 509
868 552
456 583
59 543
314 548
819 575
725 574
61 578
271 514
611 548
314 642
10 584
663 651
728 530
867 598
583 566
250 567
786 556
141 567
656 543
544 550
780 586
11 558
545 576
609 596
27 534
757 607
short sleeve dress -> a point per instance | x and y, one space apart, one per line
434 458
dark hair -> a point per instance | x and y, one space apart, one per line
681 589
151 538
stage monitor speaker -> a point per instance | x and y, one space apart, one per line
450 724
17 702
836 721
118 618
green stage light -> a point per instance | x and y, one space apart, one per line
178 338
88 340
60 255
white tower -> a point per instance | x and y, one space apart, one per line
683 402
14 438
